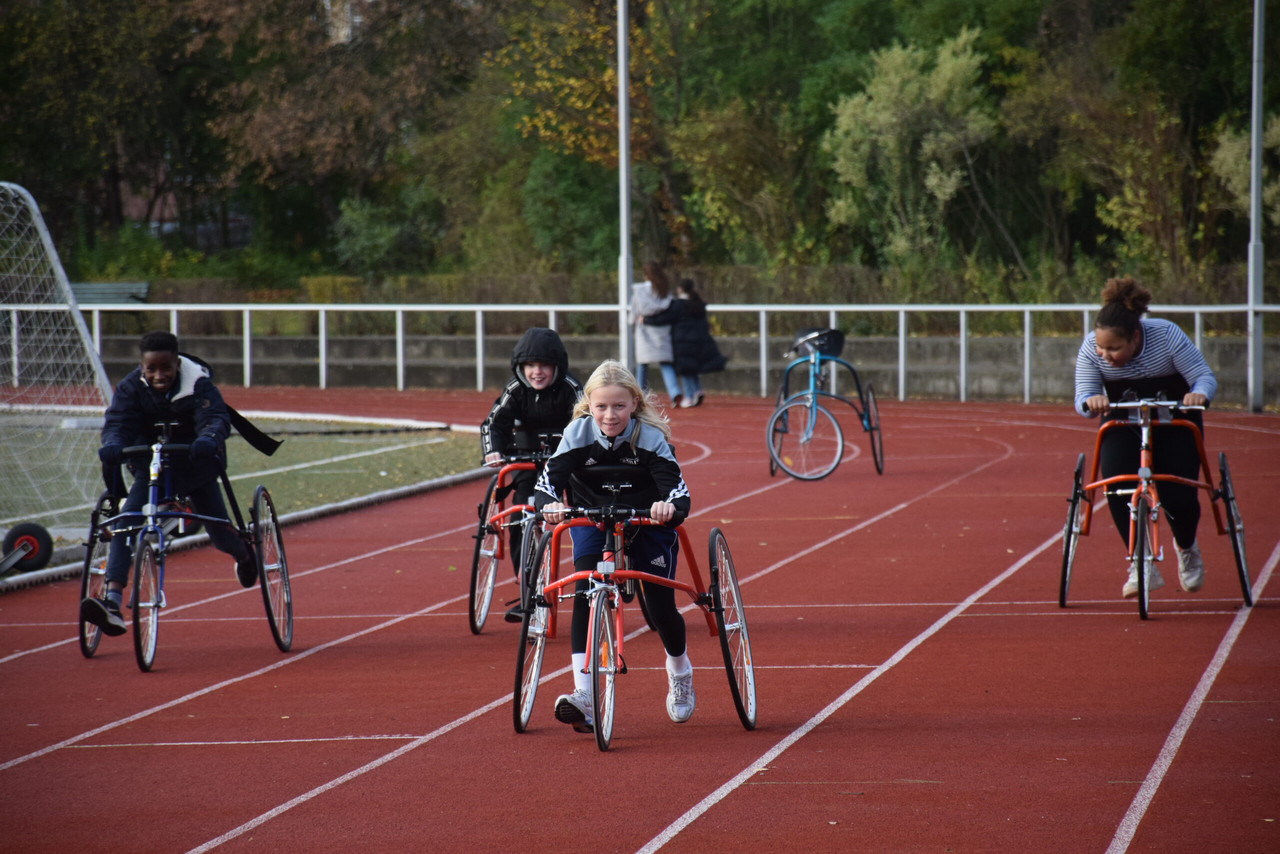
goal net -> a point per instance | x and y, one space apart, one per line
53 389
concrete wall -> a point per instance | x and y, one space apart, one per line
995 364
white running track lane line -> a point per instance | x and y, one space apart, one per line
354 773
173 609
1147 791
1136 810
307 653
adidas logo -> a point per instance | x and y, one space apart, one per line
590 461
659 561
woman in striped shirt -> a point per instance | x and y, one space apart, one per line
1127 354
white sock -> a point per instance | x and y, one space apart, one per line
581 679
679 665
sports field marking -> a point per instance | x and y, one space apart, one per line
377 763
307 653
1147 792
338 459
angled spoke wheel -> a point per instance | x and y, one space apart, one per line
731 623
93 578
1142 557
484 561
1235 527
871 419
531 538
273 569
776 432
147 600
804 438
1071 532
602 650
533 632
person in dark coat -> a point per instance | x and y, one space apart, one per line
694 349
177 389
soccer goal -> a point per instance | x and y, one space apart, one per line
53 389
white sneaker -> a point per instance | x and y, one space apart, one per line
1154 581
575 709
1190 568
680 697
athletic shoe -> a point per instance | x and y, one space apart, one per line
1154 581
575 709
688 403
104 614
680 698
1190 568
247 571
697 399
678 400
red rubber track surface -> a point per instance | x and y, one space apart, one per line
919 687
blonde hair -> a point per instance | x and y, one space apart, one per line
613 372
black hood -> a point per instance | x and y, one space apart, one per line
538 344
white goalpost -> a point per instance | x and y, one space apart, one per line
53 389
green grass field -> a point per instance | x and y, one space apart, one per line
320 464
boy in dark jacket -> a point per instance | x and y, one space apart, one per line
539 399
166 387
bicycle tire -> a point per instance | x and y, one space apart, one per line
146 601
534 625
1071 532
273 569
530 538
773 437
484 561
1235 527
602 649
1142 554
871 413
93 576
805 439
731 625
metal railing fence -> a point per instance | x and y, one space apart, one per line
764 313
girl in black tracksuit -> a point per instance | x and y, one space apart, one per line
619 426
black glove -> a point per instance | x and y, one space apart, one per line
203 448
112 455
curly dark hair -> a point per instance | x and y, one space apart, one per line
1124 301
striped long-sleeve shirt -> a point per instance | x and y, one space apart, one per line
1167 362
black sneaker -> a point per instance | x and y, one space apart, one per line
104 614
247 571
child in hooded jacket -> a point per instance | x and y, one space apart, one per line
537 400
